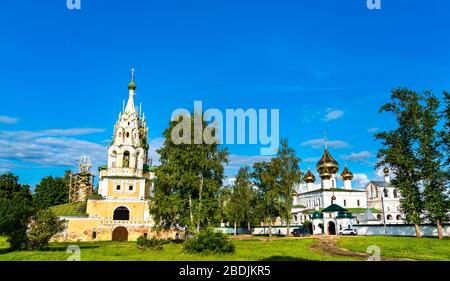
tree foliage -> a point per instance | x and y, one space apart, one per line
15 210
43 226
187 181
415 153
51 191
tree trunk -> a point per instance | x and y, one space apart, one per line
190 210
235 228
440 233
270 229
418 232
248 226
288 233
200 201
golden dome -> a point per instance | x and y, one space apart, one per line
346 174
327 165
309 177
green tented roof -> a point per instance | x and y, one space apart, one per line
333 208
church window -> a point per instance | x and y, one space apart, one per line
94 235
340 227
128 123
118 187
130 188
145 234
126 159
389 217
395 193
345 202
386 192
379 216
357 202
128 135
399 217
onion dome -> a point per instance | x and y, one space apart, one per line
132 85
346 175
327 166
309 177
386 171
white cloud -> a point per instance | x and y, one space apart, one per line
311 159
361 180
50 147
320 143
8 120
372 130
236 161
333 115
357 157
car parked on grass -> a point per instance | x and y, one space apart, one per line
300 231
348 231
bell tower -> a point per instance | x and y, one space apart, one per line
128 152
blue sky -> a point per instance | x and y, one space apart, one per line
326 65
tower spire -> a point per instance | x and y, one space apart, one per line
131 88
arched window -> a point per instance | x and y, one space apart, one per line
118 187
94 235
130 188
121 213
128 134
126 159
386 192
345 202
357 202
379 216
399 218
395 193
389 217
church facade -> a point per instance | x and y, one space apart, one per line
122 211
332 208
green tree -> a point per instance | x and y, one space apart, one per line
15 210
240 207
51 191
188 181
268 192
42 228
431 163
289 176
397 152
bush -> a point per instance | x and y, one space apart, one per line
149 244
209 241
42 228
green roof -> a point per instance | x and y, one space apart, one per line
362 210
77 209
333 208
298 206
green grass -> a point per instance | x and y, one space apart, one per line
77 209
401 247
246 250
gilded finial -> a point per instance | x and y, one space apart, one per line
132 85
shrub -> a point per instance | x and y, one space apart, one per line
42 228
209 241
149 244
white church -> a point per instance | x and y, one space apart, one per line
332 208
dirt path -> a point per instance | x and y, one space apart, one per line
328 244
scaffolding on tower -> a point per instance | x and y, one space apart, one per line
82 183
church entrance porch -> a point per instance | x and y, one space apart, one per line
120 234
331 228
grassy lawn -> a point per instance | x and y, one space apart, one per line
247 250
401 247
